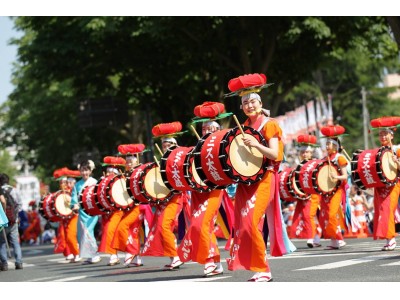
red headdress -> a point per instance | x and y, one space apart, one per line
333 131
307 139
167 130
209 109
386 123
60 174
113 161
129 149
246 84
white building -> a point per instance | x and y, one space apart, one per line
28 187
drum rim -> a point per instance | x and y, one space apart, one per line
314 178
98 208
56 194
232 134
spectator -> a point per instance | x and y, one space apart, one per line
13 207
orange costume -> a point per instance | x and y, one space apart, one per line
67 235
332 206
259 200
386 198
304 219
161 240
33 231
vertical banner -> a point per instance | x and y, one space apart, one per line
312 125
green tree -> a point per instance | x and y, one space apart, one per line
162 67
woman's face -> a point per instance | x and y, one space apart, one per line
251 106
331 147
85 173
385 137
306 154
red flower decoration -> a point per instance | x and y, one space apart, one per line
307 139
385 122
246 81
166 128
131 148
333 130
209 109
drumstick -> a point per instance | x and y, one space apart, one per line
155 159
347 156
238 124
158 148
241 129
137 158
195 132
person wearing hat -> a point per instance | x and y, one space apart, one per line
127 234
386 198
34 230
200 242
304 224
249 248
86 223
333 208
161 240
109 222
67 233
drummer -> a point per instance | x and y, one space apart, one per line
304 224
162 240
127 234
114 166
386 198
67 233
200 242
249 248
332 215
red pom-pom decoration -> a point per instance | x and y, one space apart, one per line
385 122
307 139
112 160
246 81
209 109
131 148
166 128
333 130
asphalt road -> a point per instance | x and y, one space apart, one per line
361 261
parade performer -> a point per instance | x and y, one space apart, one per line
86 223
127 234
386 198
161 240
34 230
67 233
200 242
334 207
253 201
304 224
113 166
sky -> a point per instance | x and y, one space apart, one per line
8 54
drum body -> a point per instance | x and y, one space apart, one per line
88 201
221 158
147 185
117 193
178 171
289 188
46 208
101 191
314 177
374 168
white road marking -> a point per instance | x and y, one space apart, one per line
70 278
345 263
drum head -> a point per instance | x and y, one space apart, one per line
62 204
389 167
119 193
324 180
154 184
245 160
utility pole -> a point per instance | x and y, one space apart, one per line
365 116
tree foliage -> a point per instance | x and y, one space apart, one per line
162 67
